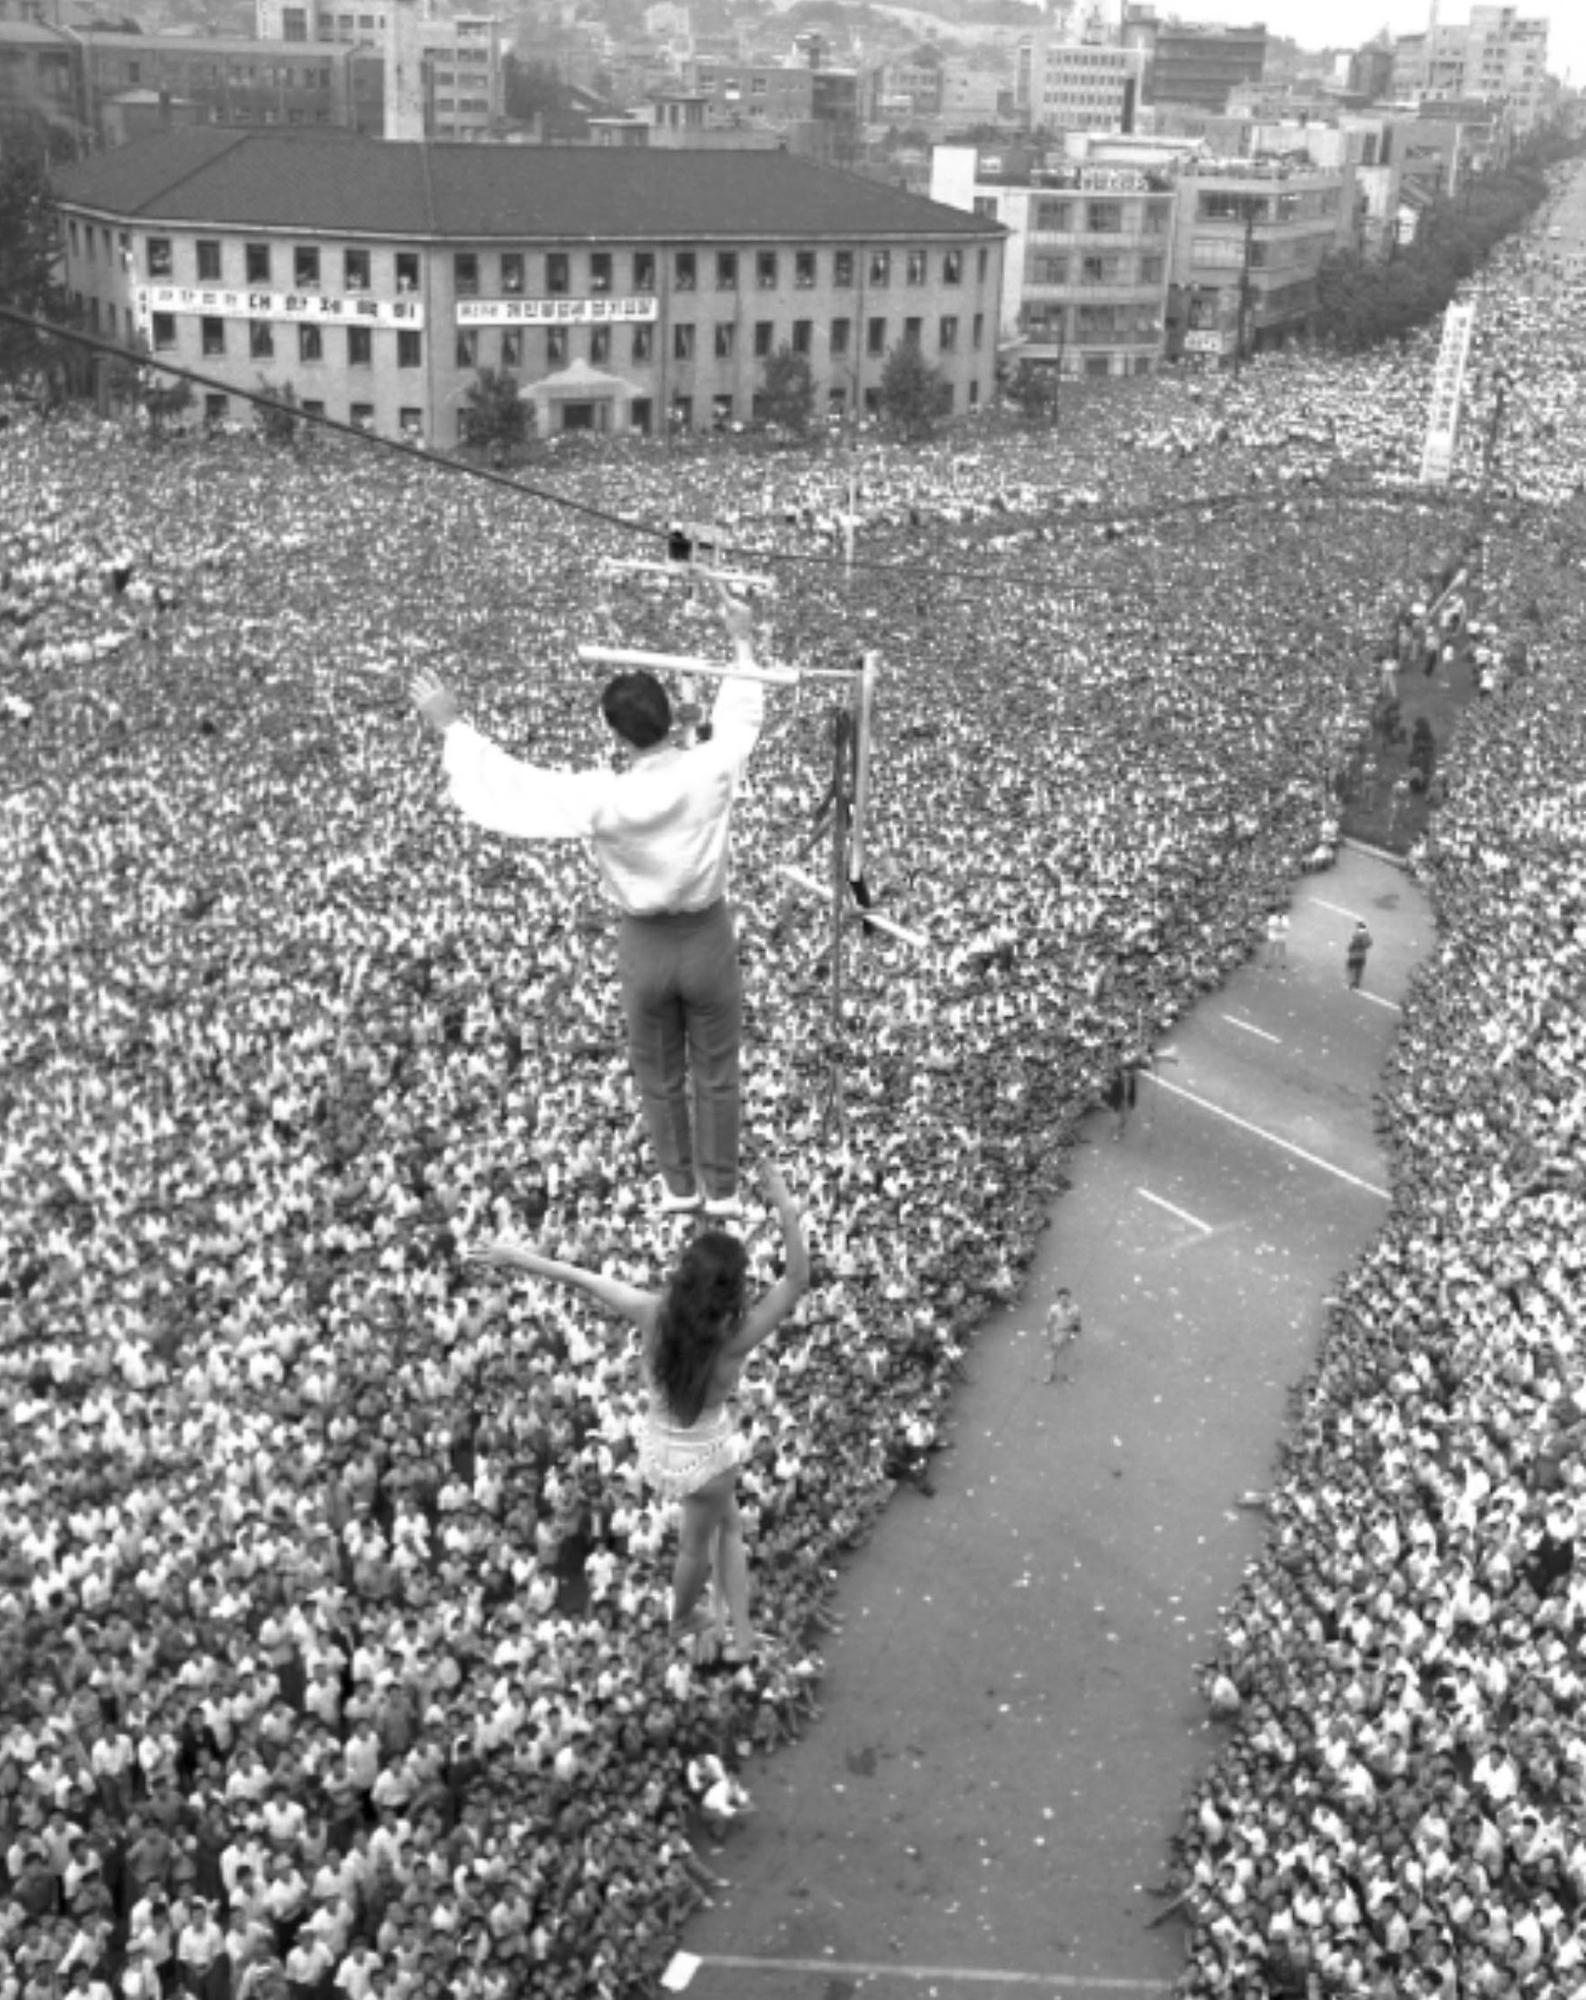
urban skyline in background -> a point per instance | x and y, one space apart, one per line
1350 23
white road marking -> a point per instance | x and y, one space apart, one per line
1053 1982
1288 1146
1337 909
1249 1027
1377 1000
1183 1214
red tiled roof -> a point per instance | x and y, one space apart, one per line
340 182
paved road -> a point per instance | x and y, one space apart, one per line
1011 1717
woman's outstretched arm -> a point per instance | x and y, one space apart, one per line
769 1312
626 1301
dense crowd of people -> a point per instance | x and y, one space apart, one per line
333 1650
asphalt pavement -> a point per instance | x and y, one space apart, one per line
1011 1716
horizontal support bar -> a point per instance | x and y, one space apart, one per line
809 883
686 663
687 572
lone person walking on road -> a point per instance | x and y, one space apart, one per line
1062 1330
1355 952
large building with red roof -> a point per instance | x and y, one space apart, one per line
625 289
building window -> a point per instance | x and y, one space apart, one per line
159 256
313 407
1150 270
974 395
765 271
600 271
725 331
683 343
839 336
360 347
411 424
914 268
682 413
803 335
407 270
512 349
1049 270
467 347
261 340
876 337
556 346
465 275
599 346
644 271
764 335
558 277
977 331
1056 216
305 267
361 416
952 267
880 269
804 270
216 409
842 268
643 344
639 414
213 332
837 400
912 330
310 344
208 261
164 331
986 205
512 272
355 270
721 411
726 270
872 402
410 347
982 264
948 339
684 271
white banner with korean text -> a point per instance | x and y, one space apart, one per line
553 312
353 308
1448 380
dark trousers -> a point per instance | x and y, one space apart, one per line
683 998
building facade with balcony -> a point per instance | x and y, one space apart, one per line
1248 240
1085 274
377 280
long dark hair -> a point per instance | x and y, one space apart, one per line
700 1308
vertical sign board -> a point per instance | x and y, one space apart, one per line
1448 378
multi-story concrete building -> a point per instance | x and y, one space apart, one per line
1085 275
815 107
440 76
1201 65
1498 57
378 280
40 84
1249 237
1080 87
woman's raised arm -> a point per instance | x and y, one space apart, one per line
626 1301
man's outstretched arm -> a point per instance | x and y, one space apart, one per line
500 792
739 711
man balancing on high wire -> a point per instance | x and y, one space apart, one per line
658 829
